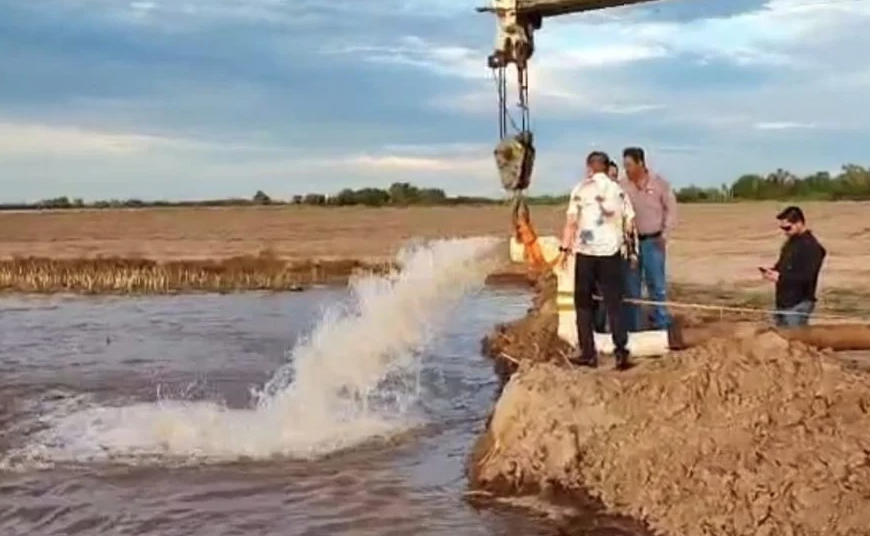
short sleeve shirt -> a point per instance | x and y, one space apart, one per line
602 209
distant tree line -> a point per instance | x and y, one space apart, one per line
398 194
852 183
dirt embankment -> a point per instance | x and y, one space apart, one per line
744 435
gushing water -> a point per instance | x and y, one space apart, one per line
353 379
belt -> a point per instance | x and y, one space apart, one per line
649 235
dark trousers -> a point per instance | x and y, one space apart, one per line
599 314
606 275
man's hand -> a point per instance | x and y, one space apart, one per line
661 242
770 275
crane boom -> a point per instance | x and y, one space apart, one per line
552 8
517 22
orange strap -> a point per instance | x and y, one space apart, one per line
532 251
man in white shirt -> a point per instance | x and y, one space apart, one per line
599 231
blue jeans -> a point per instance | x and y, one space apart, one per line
650 271
796 316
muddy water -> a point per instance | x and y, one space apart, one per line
57 354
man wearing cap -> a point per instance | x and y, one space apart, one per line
599 221
655 208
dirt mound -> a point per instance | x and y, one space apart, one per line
530 338
752 435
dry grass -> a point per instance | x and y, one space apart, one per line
714 245
145 276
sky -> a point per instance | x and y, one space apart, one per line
196 99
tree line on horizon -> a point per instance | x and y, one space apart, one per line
851 184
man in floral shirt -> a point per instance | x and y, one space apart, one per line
599 231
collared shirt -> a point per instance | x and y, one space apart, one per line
601 226
654 202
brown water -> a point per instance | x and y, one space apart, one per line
60 357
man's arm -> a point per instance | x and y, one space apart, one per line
807 263
777 267
669 203
629 228
625 203
569 231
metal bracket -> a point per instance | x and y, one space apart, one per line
514 42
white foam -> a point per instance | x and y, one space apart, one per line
353 379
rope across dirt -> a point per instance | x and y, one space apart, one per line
749 434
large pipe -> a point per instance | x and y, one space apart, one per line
838 337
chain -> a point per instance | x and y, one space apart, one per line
523 86
504 116
501 86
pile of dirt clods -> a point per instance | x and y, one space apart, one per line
749 435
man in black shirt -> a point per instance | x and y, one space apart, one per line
796 273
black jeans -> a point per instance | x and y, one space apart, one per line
605 274
599 314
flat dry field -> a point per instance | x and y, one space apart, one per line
713 245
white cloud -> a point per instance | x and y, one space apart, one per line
412 51
142 6
471 166
25 138
810 53
180 15
581 64
602 55
170 173
437 161
437 149
19 139
763 35
783 125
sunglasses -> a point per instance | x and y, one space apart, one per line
785 228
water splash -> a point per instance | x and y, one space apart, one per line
354 378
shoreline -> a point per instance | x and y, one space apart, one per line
267 272
244 273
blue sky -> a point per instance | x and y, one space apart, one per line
213 98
